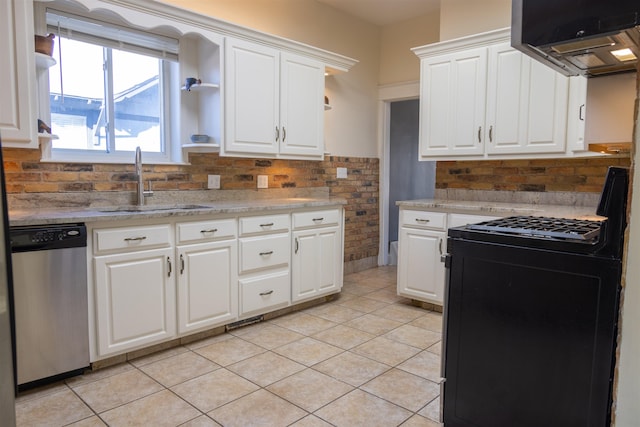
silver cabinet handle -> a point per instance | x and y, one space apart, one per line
297 246
277 134
440 246
181 264
211 230
491 133
479 134
318 219
169 267
263 294
284 133
581 113
269 224
135 239
266 253
422 220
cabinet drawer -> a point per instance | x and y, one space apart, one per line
154 236
316 218
264 224
264 252
421 219
258 294
206 230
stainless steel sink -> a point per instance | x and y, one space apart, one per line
150 208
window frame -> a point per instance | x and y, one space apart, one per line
168 76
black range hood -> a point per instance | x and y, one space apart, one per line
579 37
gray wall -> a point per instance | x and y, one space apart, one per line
409 179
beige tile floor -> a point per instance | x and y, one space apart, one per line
367 358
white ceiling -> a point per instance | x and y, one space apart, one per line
384 12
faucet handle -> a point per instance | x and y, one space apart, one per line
149 192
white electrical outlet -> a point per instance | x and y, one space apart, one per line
263 181
341 173
213 182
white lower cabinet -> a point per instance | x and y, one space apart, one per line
207 273
422 240
152 281
207 290
135 299
264 263
316 261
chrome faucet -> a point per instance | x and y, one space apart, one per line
140 190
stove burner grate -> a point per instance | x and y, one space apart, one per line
558 228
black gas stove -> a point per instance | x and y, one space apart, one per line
530 318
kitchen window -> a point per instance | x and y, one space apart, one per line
109 91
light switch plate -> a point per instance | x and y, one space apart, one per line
341 172
263 181
213 182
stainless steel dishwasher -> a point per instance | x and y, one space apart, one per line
50 295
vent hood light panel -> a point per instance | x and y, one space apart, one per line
624 54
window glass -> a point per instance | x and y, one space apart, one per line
77 97
137 102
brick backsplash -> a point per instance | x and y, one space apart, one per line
539 175
26 174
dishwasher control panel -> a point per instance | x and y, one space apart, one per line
47 237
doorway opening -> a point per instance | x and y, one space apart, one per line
408 178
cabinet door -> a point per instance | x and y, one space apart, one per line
135 300
452 103
207 285
252 98
17 75
420 271
526 104
301 107
315 263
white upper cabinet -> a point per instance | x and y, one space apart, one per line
526 104
274 103
301 107
17 75
452 103
252 85
480 98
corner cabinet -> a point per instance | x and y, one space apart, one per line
17 75
274 103
480 98
422 240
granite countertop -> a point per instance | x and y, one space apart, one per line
501 208
59 215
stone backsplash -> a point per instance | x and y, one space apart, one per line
28 177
